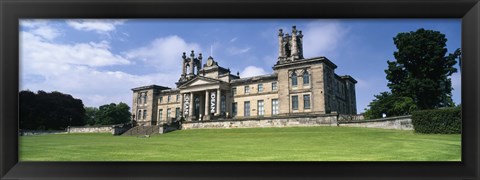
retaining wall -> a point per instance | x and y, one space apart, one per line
40 132
398 122
90 129
302 121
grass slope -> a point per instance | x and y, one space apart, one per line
256 144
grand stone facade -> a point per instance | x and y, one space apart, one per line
208 92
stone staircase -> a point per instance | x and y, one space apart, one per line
142 131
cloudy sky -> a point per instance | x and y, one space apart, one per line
100 61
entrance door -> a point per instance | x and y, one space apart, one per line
197 107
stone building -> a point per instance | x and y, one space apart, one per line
208 91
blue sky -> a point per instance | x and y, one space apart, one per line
99 61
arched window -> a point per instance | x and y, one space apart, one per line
306 78
294 79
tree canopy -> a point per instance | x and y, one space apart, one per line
49 111
419 76
422 68
108 114
391 105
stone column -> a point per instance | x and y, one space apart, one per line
207 104
294 44
182 105
184 57
190 108
191 63
218 102
281 48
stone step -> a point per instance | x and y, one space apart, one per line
142 131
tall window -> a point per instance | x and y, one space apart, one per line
223 104
145 98
160 115
160 99
246 108
306 101
260 88
234 109
274 106
247 89
145 114
294 102
139 114
294 79
169 111
234 91
169 98
177 113
178 97
139 98
306 78
260 107
274 86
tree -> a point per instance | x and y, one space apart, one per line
90 115
390 104
49 111
113 114
421 69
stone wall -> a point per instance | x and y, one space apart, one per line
298 121
399 122
40 132
90 129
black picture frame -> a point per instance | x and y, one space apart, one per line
12 11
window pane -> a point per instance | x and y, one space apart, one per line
160 114
294 79
246 111
274 106
234 109
261 109
306 78
177 113
306 101
295 102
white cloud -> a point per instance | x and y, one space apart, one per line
321 37
165 53
251 71
236 50
233 39
456 81
46 32
33 23
75 68
100 26
36 50
41 27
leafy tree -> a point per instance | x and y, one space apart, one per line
390 104
113 114
49 111
90 115
422 68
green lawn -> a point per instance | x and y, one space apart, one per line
256 144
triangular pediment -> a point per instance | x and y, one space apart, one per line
197 81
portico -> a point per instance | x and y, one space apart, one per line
203 99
